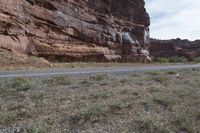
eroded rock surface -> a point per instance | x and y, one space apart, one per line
76 30
175 47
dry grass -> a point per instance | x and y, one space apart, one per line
151 102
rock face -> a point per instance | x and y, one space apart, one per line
76 30
175 47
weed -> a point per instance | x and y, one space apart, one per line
98 77
161 79
103 95
177 59
152 125
92 114
115 107
164 101
154 73
162 60
171 72
58 80
6 118
173 59
22 84
196 60
36 130
153 89
184 122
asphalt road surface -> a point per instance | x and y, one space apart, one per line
87 71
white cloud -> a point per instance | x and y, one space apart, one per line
174 18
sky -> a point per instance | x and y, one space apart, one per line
174 19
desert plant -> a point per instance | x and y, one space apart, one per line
22 84
99 77
178 59
6 118
154 73
162 60
196 60
58 80
184 122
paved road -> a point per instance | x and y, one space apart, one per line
86 71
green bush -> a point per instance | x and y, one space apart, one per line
22 84
162 60
197 60
174 59
177 59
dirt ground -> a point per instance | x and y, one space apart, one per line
149 102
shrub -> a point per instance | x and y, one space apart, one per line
174 59
161 79
6 118
177 59
98 77
184 122
22 84
58 80
197 60
162 60
154 73
171 72
164 101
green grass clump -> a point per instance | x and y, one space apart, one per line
165 101
98 77
36 130
171 72
184 123
92 114
152 125
6 118
177 59
58 80
173 59
161 79
162 60
154 73
102 94
22 84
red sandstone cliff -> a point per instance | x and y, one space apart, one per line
174 47
76 30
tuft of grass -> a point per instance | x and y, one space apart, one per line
173 59
184 123
36 130
153 89
161 79
171 72
164 101
58 80
103 95
153 73
196 60
22 84
6 118
92 114
149 124
162 60
99 77
178 59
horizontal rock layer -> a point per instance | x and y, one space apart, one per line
175 47
76 30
